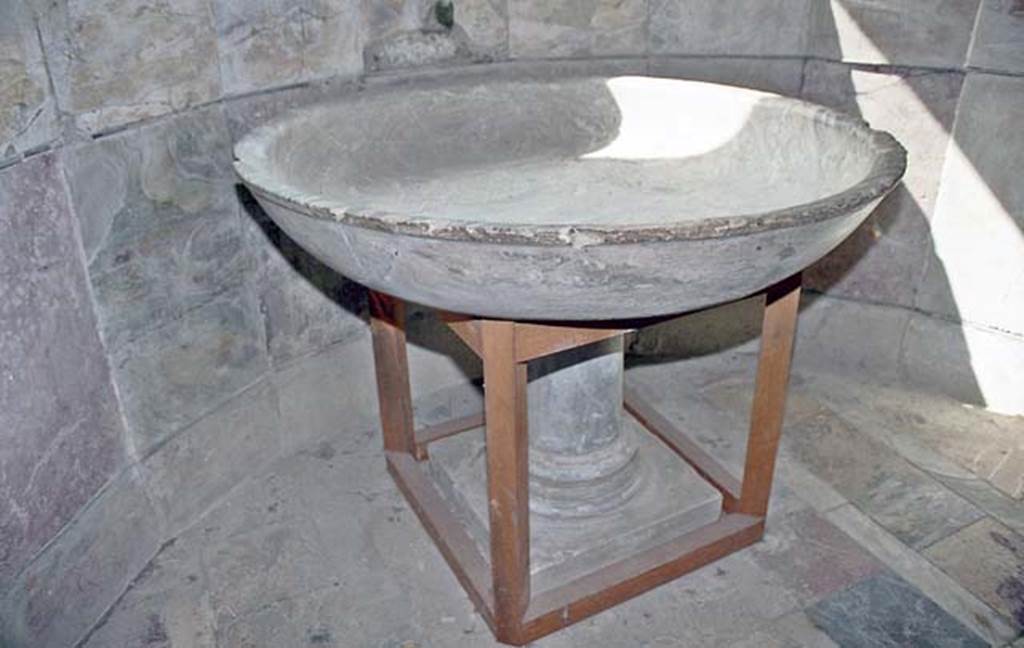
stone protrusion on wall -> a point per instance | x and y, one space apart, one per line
409 34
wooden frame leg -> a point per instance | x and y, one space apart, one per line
387 324
507 478
777 332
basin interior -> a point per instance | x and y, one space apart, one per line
581 151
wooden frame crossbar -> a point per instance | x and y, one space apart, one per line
499 584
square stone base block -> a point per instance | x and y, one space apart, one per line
669 500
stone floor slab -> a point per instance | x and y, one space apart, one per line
988 559
937 434
189 473
885 610
987 497
717 605
916 570
813 557
798 629
165 606
901 497
319 399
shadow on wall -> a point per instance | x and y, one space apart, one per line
425 331
319 276
943 249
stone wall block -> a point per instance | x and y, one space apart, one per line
115 62
60 427
927 33
736 28
978 226
169 267
272 43
564 28
999 37
28 113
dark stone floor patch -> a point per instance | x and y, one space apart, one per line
325 451
885 610
320 636
156 632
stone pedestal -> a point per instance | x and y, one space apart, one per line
601 487
583 460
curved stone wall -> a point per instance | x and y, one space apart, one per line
160 339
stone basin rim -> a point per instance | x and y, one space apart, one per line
252 165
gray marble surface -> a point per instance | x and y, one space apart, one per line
632 196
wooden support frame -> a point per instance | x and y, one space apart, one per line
499 584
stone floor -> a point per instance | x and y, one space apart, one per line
881 533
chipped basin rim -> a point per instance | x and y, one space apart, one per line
252 164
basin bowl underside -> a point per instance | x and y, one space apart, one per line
580 198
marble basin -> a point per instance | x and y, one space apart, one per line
570 198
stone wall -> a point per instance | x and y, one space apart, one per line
160 339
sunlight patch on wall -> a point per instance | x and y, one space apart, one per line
982 251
